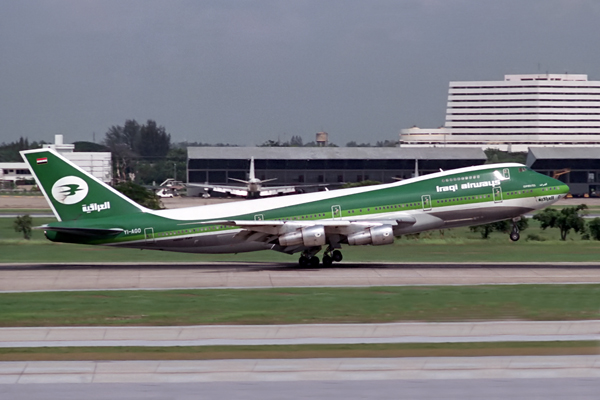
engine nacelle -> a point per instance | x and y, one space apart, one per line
310 237
378 235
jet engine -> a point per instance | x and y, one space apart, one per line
377 235
310 236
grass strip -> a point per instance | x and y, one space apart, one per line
301 305
302 351
450 245
39 250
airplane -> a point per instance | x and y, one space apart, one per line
89 211
254 187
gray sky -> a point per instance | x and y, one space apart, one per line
243 72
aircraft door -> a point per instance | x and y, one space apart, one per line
497 190
336 212
426 202
149 235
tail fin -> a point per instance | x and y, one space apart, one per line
73 193
251 175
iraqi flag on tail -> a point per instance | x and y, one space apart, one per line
42 160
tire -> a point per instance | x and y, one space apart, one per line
327 261
314 261
337 256
303 261
514 236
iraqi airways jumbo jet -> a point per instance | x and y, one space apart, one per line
91 212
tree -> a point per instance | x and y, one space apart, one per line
133 145
140 195
154 141
89 147
566 219
496 156
9 152
386 143
23 224
499 226
296 141
594 228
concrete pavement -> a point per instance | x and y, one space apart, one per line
210 335
101 276
336 369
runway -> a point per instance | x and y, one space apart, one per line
554 377
100 276
250 335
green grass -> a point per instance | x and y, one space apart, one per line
451 245
301 351
301 305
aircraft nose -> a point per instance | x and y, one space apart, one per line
561 188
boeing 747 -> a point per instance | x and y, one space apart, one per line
90 212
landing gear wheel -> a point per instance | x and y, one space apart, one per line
314 261
303 261
327 261
514 234
337 256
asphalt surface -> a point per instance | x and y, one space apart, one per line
452 389
47 277
417 389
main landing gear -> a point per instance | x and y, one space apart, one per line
307 259
330 258
514 234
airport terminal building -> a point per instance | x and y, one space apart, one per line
518 112
578 167
332 166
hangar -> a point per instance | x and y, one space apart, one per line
578 167
322 165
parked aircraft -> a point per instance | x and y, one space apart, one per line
253 189
91 212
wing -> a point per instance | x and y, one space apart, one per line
276 190
243 192
294 236
232 190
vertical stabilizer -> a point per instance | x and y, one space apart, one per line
251 176
74 194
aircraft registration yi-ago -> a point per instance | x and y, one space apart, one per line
90 212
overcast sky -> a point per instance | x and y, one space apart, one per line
243 72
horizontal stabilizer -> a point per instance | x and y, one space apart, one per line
82 231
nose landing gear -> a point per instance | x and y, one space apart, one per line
514 234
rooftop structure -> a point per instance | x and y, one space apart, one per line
579 167
98 164
518 112
322 165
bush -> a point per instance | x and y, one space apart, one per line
23 224
594 228
532 237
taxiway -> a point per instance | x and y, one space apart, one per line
99 276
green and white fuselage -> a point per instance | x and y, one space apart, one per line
90 212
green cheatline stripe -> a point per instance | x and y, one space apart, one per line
302 351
